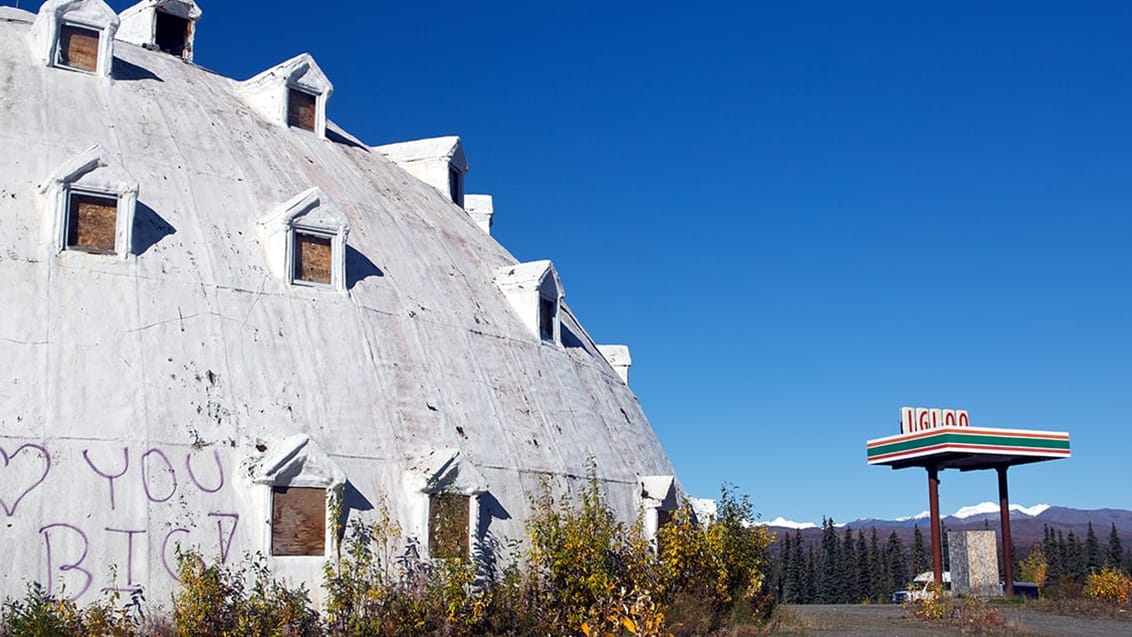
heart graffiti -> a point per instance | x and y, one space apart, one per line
8 458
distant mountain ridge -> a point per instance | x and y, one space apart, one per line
1027 524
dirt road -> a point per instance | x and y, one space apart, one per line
889 620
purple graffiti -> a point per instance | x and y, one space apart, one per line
165 553
225 544
109 476
73 566
130 586
10 510
219 472
145 474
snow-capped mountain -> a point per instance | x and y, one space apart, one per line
1027 522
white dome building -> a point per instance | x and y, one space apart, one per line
220 310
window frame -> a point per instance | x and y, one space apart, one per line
185 37
57 58
548 313
455 185
292 256
69 195
292 89
275 489
467 538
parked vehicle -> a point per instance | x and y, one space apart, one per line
1023 589
920 588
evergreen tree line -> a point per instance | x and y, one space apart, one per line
1068 558
853 567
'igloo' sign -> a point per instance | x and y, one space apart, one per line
913 419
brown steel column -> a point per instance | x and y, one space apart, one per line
1007 543
937 535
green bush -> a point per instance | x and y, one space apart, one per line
584 572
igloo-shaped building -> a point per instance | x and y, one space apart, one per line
222 312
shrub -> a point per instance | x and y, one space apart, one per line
39 614
970 614
216 600
1109 585
589 573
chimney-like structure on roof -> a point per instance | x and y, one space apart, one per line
618 358
481 209
437 161
162 25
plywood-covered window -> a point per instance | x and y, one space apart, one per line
171 33
301 109
92 222
298 521
78 48
448 525
546 316
312 254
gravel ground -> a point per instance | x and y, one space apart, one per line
889 620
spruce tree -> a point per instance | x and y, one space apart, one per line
1093 559
829 586
848 571
1052 551
799 561
920 560
810 588
864 576
877 578
1115 554
786 590
897 563
1074 557
946 544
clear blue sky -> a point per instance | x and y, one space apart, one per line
800 216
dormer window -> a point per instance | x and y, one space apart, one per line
302 110
91 204
659 502
439 162
77 35
298 481
535 293
78 48
91 222
165 25
292 94
447 506
305 240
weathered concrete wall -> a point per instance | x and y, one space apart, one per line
137 395
974 563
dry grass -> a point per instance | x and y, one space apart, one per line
1083 607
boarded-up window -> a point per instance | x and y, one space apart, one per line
301 111
546 319
298 521
448 516
454 185
312 258
78 48
92 222
171 33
